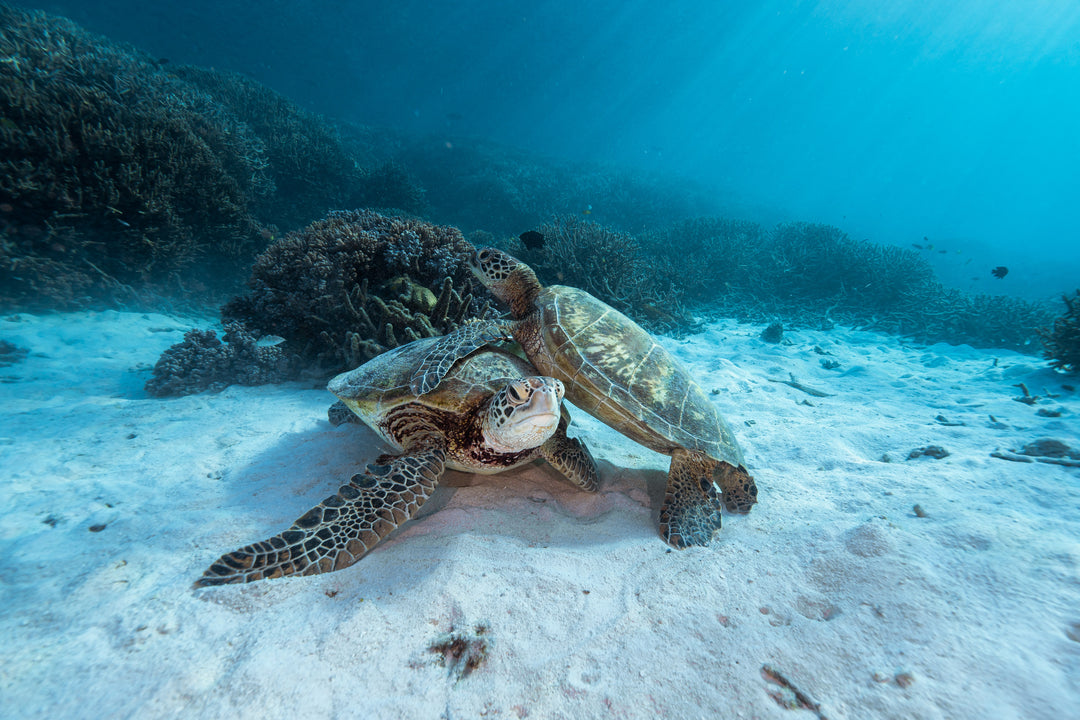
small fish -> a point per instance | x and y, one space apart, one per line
917 246
269 341
533 240
943 252
1000 271
587 210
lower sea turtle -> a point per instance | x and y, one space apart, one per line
490 413
614 370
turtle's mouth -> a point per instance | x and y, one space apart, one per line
541 421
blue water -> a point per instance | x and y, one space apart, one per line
956 122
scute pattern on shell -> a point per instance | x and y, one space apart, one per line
381 384
633 382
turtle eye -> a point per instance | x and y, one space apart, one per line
517 392
484 255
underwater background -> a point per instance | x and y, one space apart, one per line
896 122
852 224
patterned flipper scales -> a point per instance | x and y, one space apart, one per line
691 511
572 458
454 346
344 527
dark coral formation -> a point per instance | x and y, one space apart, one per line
815 275
1061 341
356 283
801 274
339 292
311 170
118 172
203 362
111 170
609 264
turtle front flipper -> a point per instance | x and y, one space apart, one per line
739 489
344 527
691 511
453 347
572 458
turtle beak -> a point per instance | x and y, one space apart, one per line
544 407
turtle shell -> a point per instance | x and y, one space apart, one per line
615 370
382 383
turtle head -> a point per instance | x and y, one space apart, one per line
524 414
507 278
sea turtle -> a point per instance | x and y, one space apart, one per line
491 413
617 372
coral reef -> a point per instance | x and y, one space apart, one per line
354 284
712 257
203 362
337 293
1061 341
609 264
111 170
773 333
814 275
814 261
119 172
312 171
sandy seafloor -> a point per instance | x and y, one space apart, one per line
869 610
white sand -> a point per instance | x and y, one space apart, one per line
832 579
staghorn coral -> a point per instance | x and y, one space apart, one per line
610 265
310 168
354 284
111 170
814 275
711 257
814 261
203 362
1061 340
118 173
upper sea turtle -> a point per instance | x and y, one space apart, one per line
616 371
491 413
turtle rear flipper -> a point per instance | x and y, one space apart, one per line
453 347
572 458
344 527
691 511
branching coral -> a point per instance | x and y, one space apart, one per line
311 170
111 170
710 257
354 284
814 275
116 170
610 265
1061 341
203 362
814 261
